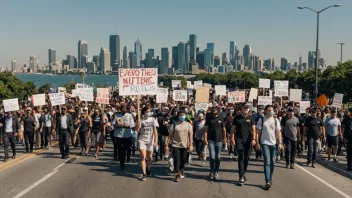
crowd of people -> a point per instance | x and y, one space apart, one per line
169 132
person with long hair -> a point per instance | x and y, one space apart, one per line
97 130
85 124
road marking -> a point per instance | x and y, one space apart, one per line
324 182
17 162
76 157
35 184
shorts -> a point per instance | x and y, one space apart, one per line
146 146
332 141
97 137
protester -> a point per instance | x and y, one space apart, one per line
347 135
64 127
333 132
10 127
29 125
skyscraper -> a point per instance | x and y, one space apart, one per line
217 61
200 59
132 57
174 60
33 64
181 56
211 46
311 59
164 65
84 61
125 58
232 52
96 60
138 52
13 65
51 56
150 59
247 53
283 64
187 58
70 60
104 61
223 59
193 46
114 46
207 57
300 64
256 66
82 51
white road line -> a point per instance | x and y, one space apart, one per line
324 182
61 164
35 184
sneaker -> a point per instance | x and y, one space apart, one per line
241 181
62 157
148 172
143 178
182 175
31 151
313 165
211 176
14 157
292 166
231 155
268 185
245 178
335 159
177 178
216 176
308 163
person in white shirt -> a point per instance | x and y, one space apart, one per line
268 131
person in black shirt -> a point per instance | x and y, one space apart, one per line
313 127
29 124
244 134
214 136
347 137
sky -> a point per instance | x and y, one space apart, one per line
273 28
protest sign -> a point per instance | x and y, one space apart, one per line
57 98
198 83
176 83
337 101
38 100
179 95
103 96
303 105
281 88
75 93
253 94
189 84
80 85
295 95
62 89
201 106
11 105
138 81
202 94
208 85
220 90
236 96
264 83
161 96
85 94
265 100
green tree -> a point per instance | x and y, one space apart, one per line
12 87
83 75
44 88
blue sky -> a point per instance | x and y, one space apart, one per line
273 28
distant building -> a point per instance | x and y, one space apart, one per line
84 60
208 57
70 61
223 59
200 59
150 59
232 52
187 58
91 68
114 47
13 65
133 60
96 61
138 52
164 65
304 67
300 64
105 65
283 64
82 51
125 58
51 57
181 57
211 47
174 59
33 64
247 53
216 61
193 46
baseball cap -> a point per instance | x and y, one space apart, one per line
290 109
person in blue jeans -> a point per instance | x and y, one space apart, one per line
268 131
214 137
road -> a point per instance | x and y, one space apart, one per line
45 175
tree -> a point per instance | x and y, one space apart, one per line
12 87
83 75
44 88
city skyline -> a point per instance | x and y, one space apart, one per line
275 40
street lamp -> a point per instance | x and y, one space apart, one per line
341 50
317 44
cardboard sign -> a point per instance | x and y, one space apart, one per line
11 105
62 89
253 94
179 95
85 94
295 95
220 90
337 101
189 84
236 96
79 86
303 105
207 85
264 83
57 98
265 100
138 81
322 100
162 95
201 106
202 94
176 83
38 100
281 88
198 83
103 96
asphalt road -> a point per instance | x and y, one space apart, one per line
45 175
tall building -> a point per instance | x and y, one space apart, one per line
322 63
304 66
13 65
256 66
272 64
217 61
33 64
70 60
164 65
283 64
96 60
311 59
82 51
84 61
181 56
247 53
300 64
114 46
150 59
223 59
51 56
211 46
104 61
232 52
200 59
193 46
208 57
126 62
132 57
187 58
138 52
174 60
91 68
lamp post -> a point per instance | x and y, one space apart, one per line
317 43
341 50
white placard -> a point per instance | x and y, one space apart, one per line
38 100
253 94
179 95
61 89
189 84
176 83
303 105
236 96
11 105
207 85
75 93
220 90
337 101
85 94
103 96
57 98
138 81
281 88
161 95
295 95
264 83
265 100
201 106
198 83
80 85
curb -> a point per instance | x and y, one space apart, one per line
340 171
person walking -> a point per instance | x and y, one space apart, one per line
64 127
347 137
85 124
97 130
46 128
10 127
333 132
269 133
29 125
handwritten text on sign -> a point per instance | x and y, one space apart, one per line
102 96
236 96
11 105
202 106
161 96
138 81
57 98
265 100
264 83
281 88
86 94
337 101
180 95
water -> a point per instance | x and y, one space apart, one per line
60 80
